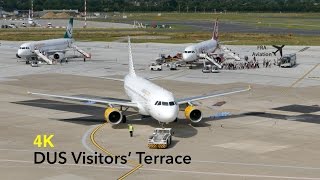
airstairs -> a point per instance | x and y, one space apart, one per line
205 56
85 54
45 58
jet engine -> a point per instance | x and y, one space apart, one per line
113 115
193 114
59 56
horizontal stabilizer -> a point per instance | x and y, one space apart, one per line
230 53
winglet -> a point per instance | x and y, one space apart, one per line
131 67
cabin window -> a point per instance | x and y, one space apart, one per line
165 103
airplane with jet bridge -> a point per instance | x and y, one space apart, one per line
51 50
147 98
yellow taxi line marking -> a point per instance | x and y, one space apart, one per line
300 79
136 164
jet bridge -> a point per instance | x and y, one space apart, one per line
205 56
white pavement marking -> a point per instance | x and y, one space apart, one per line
84 139
176 171
231 174
253 164
67 164
263 165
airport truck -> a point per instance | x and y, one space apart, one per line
155 67
161 138
288 60
210 69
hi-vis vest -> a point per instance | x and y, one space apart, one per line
130 128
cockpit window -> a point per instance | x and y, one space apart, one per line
171 103
165 103
156 103
159 103
185 51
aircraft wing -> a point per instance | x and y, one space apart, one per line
215 94
56 51
91 100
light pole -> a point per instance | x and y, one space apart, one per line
85 14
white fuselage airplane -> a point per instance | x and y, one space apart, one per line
32 51
57 47
148 99
191 53
30 20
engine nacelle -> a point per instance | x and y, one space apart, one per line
58 56
113 115
193 114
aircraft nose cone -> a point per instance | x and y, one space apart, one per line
170 114
185 56
19 53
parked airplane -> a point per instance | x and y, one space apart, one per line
32 51
148 99
191 53
30 20
194 52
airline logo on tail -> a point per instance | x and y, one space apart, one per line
215 34
68 33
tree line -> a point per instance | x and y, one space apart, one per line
168 5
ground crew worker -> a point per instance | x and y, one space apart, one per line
130 127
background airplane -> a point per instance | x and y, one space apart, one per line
31 22
201 50
148 99
51 50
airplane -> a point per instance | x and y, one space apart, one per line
32 51
194 52
147 98
30 20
